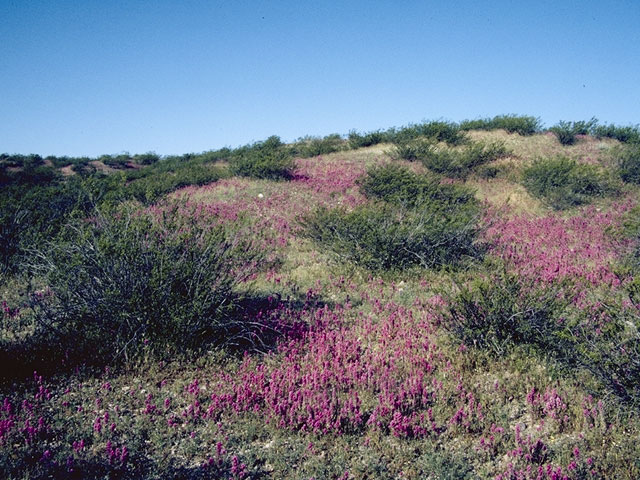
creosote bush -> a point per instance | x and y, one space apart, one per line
454 163
361 140
383 236
399 185
413 220
130 283
438 131
566 131
521 124
564 183
313 146
269 159
629 163
502 310
629 134
413 150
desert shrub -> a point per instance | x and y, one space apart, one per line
131 283
65 161
313 146
383 236
116 161
34 205
269 159
399 185
361 140
629 163
460 163
148 158
502 310
150 188
487 171
20 161
438 131
566 131
564 183
213 156
84 169
36 201
629 134
522 124
413 150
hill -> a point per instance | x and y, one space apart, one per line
439 300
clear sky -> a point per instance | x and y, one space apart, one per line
91 77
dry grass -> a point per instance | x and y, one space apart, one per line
529 148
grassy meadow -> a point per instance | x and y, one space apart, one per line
435 301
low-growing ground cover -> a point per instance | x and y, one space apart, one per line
520 362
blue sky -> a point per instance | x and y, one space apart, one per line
91 77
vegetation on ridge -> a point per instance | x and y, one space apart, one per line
461 301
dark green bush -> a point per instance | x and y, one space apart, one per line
148 158
564 183
313 146
420 223
34 205
64 161
116 161
413 150
502 311
399 185
629 164
361 140
623 134
269 159
566 131
132 283
36 201
437 131
452 163
150 188
487 171
20 161
522 124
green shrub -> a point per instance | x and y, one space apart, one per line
564 183
623 134
313 146
501 311
487 171
148 158
132 283
150 188
566 131
522 124
34 206
420 223
437 131
629 164
460 163
20 161
361 140
413 150
116 161
269 159
399 185
386 237
64 161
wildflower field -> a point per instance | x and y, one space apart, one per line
435 301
